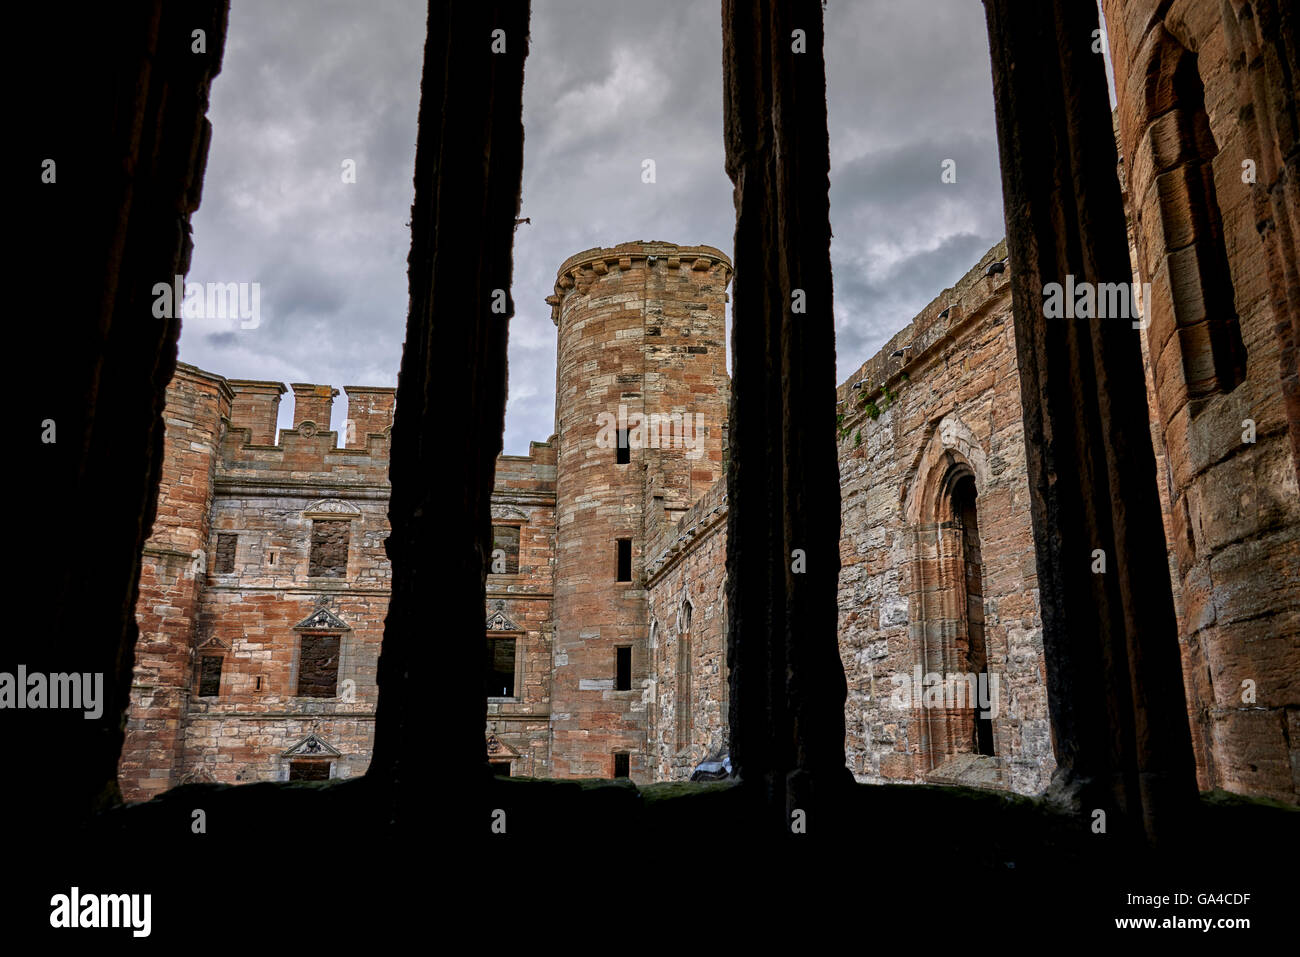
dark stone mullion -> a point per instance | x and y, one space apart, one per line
1114 678
450 405
786 681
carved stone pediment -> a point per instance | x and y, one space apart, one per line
497 621
311 747
331 508
322 619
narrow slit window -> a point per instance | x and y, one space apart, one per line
624 560
624 452
623 669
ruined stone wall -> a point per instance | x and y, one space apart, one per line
955 411
640 330
687 708
1216 219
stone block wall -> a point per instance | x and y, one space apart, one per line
1221 260
954 411
686 572
640 330
173 572
520 608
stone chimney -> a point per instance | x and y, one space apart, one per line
312 403
370 410
256 407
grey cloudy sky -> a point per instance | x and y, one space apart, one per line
307 84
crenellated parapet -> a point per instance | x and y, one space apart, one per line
310 450
582 269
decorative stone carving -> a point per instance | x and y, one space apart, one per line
312 747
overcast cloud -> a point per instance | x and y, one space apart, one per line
608 83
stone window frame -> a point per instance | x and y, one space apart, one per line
518 636
220 654
1191 325
683 681
332 510
951 456
297 664
315 762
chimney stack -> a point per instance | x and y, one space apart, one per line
370 410
256 407
312 403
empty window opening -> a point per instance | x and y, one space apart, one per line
623 669
210 676
963 507
329 549
318 666
309 770
622 764
682 707
225 557
501 769
259 683
505 549
1180 215
501 668
624 452
624 560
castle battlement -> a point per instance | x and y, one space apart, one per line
581 269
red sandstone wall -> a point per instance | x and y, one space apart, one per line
1235 529
172 584
524 495
640 325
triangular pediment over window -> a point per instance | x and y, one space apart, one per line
213 645
322 619
498 750
311 747
497 621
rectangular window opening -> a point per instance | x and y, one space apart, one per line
621 763
225 557
505 550
624 560
329 549
210 676
624 454
309 770
623 674
318 666
501 668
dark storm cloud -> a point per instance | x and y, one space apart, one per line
608 84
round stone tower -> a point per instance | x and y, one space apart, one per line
640 406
